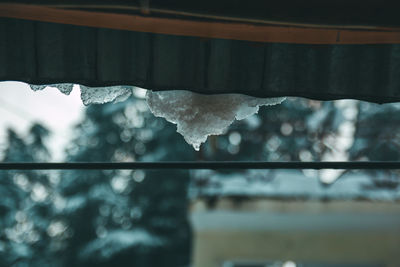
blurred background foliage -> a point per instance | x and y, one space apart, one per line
139 218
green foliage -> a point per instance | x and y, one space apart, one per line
25 209
139 218
377 138
131 200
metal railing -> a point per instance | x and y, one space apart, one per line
196 165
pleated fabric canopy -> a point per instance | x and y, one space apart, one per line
208 52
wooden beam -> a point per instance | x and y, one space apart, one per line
205 29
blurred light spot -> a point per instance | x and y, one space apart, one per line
54 178
274 156
142 106
125 136
253 122
305 155
20 216
124 172
117 216
140 148
101 231
93 142
317 146
137 121
350 113
145 135
59 202
22 181
126 224
233 149
286 128
273 143
347 128
12 235
119 183
56 228
343 103
32 237
138 176
289 264
120 155
39 192
328 176
119 119
235 138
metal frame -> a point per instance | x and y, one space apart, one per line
196 165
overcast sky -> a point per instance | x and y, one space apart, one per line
20 107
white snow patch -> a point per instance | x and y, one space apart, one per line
65 88
197 116
94 95
286 184
118 241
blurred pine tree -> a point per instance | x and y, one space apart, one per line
108 202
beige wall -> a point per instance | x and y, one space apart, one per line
307 231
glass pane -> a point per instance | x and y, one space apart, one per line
150 218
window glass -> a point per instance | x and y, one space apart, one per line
147 218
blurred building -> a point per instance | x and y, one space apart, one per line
285 218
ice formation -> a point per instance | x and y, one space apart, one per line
198 116
92 95
64 88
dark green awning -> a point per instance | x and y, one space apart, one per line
46 53
328 12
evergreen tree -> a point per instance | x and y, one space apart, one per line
296 130
101 204
25 206
136 217
377 139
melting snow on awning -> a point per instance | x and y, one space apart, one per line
197 116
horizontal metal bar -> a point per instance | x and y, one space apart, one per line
196 165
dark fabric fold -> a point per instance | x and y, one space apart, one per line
47 53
